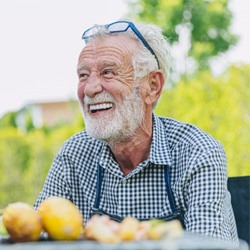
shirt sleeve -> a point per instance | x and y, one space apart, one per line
209 209
56 183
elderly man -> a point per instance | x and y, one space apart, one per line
129 161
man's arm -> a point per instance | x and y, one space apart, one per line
208 200
56 182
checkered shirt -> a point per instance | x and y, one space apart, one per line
198 175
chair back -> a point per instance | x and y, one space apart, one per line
239 187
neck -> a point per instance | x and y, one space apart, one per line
130 153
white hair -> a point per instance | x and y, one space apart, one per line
143 61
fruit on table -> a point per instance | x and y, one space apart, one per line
22 222
129 228
101 228
158 229
61 219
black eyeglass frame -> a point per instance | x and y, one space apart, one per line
85 35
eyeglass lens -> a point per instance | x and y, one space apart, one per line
118 27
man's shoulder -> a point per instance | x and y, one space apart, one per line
185 133
80 142
80 136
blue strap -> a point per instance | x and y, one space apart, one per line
98 187
169 190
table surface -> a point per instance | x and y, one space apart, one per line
188 241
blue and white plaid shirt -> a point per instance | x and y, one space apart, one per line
198 175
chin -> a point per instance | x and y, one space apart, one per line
108 129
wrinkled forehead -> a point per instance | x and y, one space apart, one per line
117 43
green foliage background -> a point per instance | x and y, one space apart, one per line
206 22
25 158
218 105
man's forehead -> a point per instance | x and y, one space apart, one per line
117 40
108 51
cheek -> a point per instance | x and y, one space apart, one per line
126 75
80 89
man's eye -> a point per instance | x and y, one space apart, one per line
108 73
83 75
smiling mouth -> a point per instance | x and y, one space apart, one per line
100 107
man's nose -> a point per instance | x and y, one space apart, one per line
93 85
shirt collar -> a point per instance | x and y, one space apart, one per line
108 162
160 151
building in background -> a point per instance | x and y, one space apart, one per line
47 114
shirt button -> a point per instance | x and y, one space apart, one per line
124 182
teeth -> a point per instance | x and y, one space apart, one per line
95 107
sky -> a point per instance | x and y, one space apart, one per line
40 42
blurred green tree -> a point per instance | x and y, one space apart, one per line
218 105
207 24
26 156
8 120
14 158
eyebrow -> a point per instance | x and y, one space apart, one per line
103 64
108 63
81 67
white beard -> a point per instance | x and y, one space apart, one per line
122 123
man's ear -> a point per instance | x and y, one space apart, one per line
156 83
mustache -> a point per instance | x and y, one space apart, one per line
102 97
